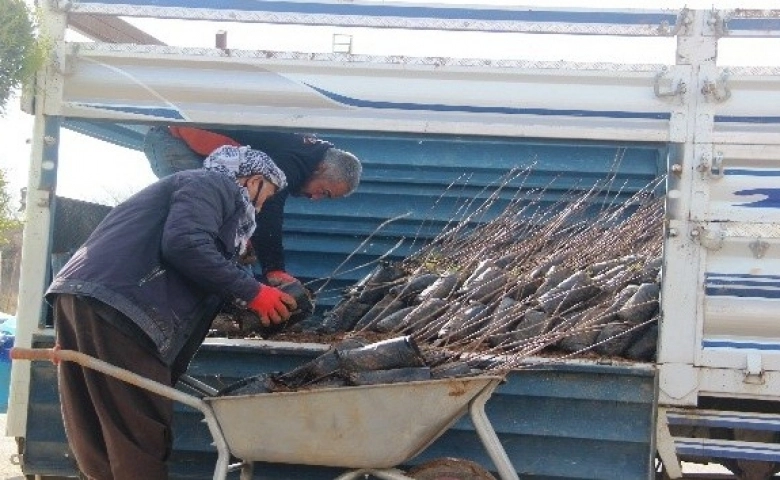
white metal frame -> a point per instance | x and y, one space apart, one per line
703 110
699 228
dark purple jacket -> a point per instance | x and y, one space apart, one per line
165 258
298 156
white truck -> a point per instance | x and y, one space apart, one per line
715 388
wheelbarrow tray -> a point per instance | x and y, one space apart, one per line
375 426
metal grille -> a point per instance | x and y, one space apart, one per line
74 221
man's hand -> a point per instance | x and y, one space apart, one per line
272 305
280 277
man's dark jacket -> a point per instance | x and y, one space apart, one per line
165 259
298 156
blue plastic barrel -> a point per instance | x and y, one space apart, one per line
7 336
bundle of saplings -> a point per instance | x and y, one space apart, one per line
354 362
564 281
580 276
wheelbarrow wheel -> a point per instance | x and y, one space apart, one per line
450 469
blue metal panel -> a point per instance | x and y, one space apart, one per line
129 136
427 179
45 449
559 422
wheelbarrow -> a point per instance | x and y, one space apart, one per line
368 430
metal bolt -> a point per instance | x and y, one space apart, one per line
759 248
677 169
221 40
673 232
49 140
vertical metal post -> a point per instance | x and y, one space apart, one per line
681 300
666 448
684 265
36 237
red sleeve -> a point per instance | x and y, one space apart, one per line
202 141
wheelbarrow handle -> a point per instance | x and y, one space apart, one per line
87 361
19 353
56 355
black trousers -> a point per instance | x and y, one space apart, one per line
116 431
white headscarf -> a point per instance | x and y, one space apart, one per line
245 162
238 162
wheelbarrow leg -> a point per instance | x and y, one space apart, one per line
247 470
223 453
384 474
488 436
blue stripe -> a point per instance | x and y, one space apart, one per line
743 119
742 283
740 275
436 107
727 424
738 285
727 421
412 11
726 452
772 199
741 292
149 111
740 345
754 24
751 173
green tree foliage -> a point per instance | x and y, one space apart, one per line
10 249
21 52
9 222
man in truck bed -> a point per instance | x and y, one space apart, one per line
315 169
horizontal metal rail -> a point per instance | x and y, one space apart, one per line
709 448
722 419
396 15
643 23
746 23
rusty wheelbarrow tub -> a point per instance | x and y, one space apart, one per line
366 429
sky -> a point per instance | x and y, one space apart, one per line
93 170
